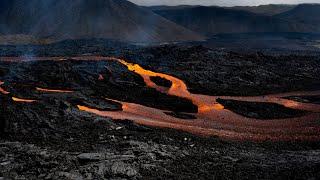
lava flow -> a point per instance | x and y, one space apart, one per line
213 119
23 100
15 98
53 90
2 90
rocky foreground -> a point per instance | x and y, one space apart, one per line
53 139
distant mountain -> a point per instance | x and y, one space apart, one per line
215 20
111 19
304 13
270 9
163 7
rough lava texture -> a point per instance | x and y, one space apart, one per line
217 72
52 139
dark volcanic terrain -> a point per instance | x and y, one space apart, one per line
216 20
54 20
207 71
52 138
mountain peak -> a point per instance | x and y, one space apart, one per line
306 13
111 19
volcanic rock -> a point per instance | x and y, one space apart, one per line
91 156
161 81
120 168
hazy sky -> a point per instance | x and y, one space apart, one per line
221 2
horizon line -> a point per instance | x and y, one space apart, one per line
284 4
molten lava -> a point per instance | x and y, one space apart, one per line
53 90
23 100
2 90
178 88
213 119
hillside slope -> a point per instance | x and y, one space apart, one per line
215 20
269 9
112 19
304 13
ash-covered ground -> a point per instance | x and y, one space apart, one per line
53 139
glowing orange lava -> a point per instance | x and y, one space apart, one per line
23 100
178 88
53 90
213 119
2 90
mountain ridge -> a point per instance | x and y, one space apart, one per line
305 13
111 19
215 20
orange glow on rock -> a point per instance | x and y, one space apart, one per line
84 108
213 119
53 90
290 104
23 100
2 90
218 107
178 88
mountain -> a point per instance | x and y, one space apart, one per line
163 7
110 19
270 9
214 20
304 13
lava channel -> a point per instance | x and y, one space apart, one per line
213 119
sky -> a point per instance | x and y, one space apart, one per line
220 2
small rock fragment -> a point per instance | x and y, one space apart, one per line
91 156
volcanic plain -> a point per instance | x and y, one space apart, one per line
94 109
